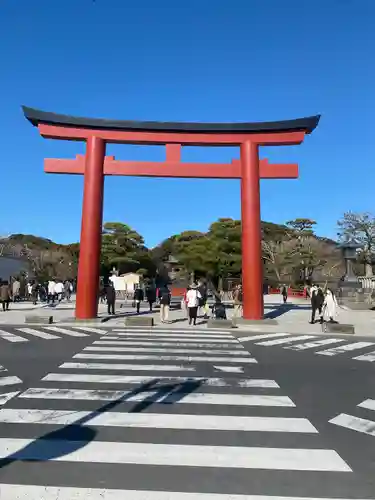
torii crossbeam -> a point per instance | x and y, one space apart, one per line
171 168
95 165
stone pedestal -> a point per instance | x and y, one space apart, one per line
351 295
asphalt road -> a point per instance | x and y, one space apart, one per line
184 412
323 387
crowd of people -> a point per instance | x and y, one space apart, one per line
17 290
194 301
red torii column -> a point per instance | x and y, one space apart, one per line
97 132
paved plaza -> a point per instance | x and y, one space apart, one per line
291 318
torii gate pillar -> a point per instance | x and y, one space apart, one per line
91 230
252 266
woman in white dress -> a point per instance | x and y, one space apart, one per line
330 305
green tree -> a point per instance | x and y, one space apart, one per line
122 247
360 227
301 228
306 253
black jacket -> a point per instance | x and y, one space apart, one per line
110 293
151 294
138 294
317 298
165 296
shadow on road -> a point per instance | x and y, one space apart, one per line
73 437
281 309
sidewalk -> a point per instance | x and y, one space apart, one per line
292 318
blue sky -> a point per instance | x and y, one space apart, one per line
198 60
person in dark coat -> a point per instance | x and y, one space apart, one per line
138 298
5 295
110 293
317 301
202 288
165 301
284 293
151 296
34 292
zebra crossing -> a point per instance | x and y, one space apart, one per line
24 334
152 419
328 347
358 423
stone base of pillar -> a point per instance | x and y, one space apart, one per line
264 321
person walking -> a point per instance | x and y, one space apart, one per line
51 291
150 296
5 295
317 300
16 286
67 290
138 298
165 301
284 293
59 291
237 301
110 293
193 297
203 290
330 306
34 292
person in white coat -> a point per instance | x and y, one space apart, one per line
330 305
192 301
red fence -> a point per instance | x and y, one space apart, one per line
291 292
180 292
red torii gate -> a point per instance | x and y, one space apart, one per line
95 165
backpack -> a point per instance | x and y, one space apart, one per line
219 310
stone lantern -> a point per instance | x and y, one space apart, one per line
349 253
351 293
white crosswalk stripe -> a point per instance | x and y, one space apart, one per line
166 350
6 379
311 345
169 343
127 366
293 343
158 421
262 336
370 357
171 339
26 334
159 429
147 357
356 423
38 333
19 492
17 334
344 348
6 396
91 330
285 341
11 337
140 379
65 331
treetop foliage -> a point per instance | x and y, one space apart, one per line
292 252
